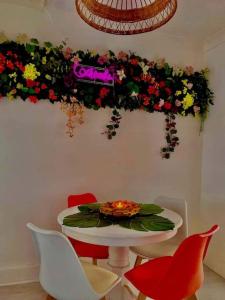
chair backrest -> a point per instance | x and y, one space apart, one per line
61 273
74 200
180 207
185 274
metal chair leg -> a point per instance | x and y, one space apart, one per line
94 260
138 261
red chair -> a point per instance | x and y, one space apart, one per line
85 249
174 277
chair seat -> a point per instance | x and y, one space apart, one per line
156 250
90 250
100 279
148 276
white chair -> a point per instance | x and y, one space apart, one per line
62 275
168 247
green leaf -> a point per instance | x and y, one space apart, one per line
34 41
150 209
103 222
89 207
82 220
48 45
156 223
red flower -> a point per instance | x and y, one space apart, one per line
151 90
30 83
10 65
2 57
157 93
43 86
33 99
37 90
103 92
162 84
157 107
9 53
37 83
2 68
167 105
20 66
168 91
134 61
98 101
52 95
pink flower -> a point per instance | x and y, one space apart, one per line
103 59
177 103
67 53
161 102
196 109
190 85
189 70
122 55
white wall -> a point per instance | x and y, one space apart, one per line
40 165
213 170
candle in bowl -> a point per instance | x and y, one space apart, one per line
119 204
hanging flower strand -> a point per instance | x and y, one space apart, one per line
74 111
170 135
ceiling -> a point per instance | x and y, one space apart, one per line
194 19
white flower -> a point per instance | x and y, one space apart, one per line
134 94
144 67
121 74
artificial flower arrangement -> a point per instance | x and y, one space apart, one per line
37 72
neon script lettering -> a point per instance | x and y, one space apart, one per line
92 73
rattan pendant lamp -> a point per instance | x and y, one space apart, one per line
126 17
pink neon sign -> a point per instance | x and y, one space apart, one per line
93 74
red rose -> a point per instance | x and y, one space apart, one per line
2 57
2 68
20 66
52 95
167 105
98 101
157 107
103 92
157 93
30 83
43 86
151 90
33 99
10 65
168 91
162 84
9 52
37 90
134 61
37 83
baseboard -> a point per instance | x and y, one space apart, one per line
18 275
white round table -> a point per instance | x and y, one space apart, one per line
118 239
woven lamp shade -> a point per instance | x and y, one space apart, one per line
126 17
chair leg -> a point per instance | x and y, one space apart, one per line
94 261
50 298
193 297
104 298
138 261
141 297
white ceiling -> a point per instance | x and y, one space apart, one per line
195 19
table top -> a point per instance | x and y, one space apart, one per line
115 235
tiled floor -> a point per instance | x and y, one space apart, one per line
213 289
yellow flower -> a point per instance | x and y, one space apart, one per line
184 90
188 101
11 94
185 82
48 77
30 72
3 37
93 53
19 86
44 60
178 93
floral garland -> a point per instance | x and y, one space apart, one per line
36 72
